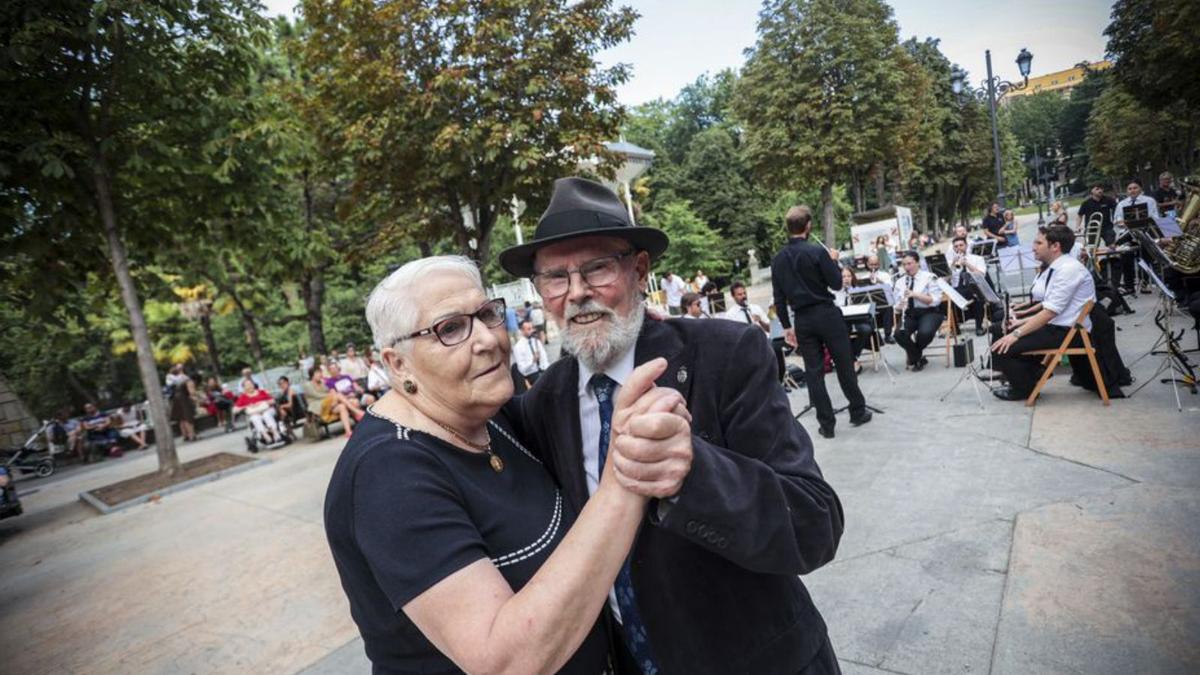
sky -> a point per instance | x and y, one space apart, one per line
676 41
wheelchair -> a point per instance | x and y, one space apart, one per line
257 441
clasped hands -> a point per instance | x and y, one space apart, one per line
650 445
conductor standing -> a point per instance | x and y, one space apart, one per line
802 275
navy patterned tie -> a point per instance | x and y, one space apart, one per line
632 628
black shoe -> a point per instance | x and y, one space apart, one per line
920 365
826 432
1007 394
861 419
1145 290
980 330
890 340
1126 380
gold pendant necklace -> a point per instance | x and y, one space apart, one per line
493 459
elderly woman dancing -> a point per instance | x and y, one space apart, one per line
454 546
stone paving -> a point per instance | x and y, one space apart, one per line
1059 539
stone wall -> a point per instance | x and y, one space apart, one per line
16 423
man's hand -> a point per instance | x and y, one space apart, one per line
789 336
1002 345
652 455
833 253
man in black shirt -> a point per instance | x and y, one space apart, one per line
801 276
993 223
1098 202
1166 195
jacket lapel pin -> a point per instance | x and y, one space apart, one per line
682 375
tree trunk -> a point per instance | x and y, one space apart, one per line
78 387
164 439
312 288
250 326
880 188
214 359
937 209
312 284
860 199
425 248
827 214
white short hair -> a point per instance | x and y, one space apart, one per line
394 307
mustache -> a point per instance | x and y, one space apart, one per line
587 308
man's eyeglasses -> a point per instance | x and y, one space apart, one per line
456 329
596 273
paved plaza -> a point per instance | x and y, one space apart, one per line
1063 538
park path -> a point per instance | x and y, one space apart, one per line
993 539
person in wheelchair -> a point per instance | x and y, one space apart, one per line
260 410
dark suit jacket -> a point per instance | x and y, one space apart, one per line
716 578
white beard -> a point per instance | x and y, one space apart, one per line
599 344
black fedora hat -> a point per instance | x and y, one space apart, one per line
581 208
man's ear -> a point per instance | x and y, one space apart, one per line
641 264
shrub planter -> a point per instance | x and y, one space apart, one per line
149 486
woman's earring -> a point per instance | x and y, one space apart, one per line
410 386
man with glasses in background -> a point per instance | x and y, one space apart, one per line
739 506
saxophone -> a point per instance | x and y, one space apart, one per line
1183 252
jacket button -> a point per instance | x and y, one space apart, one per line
722 543
690 527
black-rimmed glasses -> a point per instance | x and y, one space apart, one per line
595 273
455 329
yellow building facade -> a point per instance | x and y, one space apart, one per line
1062 81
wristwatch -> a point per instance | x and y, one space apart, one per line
1017 331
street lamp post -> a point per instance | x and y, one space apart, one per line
994 89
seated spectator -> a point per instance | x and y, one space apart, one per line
100 433
74 433
219 403
690 305
130 426
260 410
377 379
345 386
291 403
327 405
353 365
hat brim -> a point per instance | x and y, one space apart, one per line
518 260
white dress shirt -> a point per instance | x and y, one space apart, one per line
975 262
589 430
674 287
1070 287
737 313
1119 212
355 367
922 282
530 355
879 277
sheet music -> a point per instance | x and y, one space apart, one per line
1017 259
955 297
853 311
864 290
1158 282
984 287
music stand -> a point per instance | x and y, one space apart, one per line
876 296
984 247
1174 358
938 264
982 290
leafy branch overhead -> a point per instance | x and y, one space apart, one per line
452 107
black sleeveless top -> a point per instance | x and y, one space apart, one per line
405 510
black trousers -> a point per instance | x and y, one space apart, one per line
1023 371
818 327
976 308
920 325
887 321
860 334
